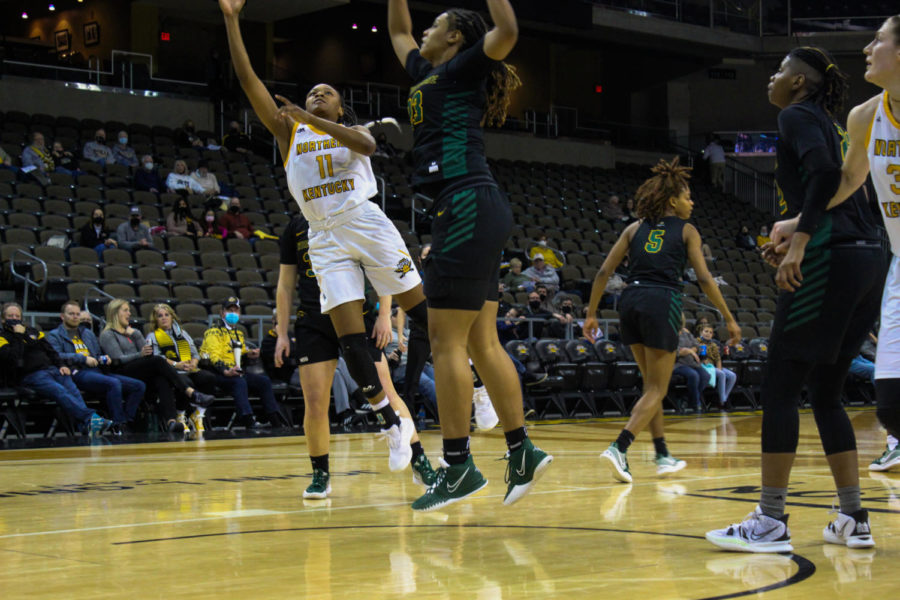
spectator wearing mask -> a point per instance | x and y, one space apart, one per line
30 361
763 237
563 317
180 220
227 351
96 150
236 140
541 273
744 240
186 135
133 234
209 227
122 153
37 160
147 179
236 224
64 160
95 235
77 345
536 312
179 180
205 181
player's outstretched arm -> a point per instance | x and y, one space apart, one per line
400 29
500 40
856 162
262 102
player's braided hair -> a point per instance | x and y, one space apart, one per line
503 79
669 179
831 92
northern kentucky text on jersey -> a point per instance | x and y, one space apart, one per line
317 146
887 147
326 189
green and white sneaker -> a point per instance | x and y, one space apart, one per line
890 458
423 473
523 469
617 463
320 486
666 463
452 483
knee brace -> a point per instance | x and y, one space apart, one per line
359 362
887 393
418 314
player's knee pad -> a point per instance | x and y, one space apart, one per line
359 362
887 392
418 314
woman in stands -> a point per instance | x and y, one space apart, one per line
831 277
132 356
317 351
330 176
460 86
174 344
657 246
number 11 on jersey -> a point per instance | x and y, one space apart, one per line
324 161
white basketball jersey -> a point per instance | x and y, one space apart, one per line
325 177
884 165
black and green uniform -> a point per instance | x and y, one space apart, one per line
831 313
472 218
650 307
316 338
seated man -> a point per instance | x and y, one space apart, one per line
541 273
122 153
237 224
147 179
224 344
37 160
33 363
236 140
133 234
77 345
96 150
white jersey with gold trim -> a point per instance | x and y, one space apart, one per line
325 177
884 166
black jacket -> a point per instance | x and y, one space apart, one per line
267 355
89 237
25 353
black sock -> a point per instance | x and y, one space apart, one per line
476 380
624 440
389 415
515 438
319 462
417 450
456 450
660 445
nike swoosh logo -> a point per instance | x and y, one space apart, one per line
756 538
521 472
453 487
441 212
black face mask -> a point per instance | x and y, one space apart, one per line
189 128
98 220
100 140
12 323
534 304
542 295
135 221
234 209
566 309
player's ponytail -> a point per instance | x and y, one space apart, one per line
503 79
669 180
830 92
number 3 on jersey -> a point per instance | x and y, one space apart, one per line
895 171
654 241
414 106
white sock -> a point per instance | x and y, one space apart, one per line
381 404
200 411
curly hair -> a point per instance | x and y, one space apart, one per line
669 179
503 78
831 92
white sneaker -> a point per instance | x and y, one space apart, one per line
758 533
851 531
398 439
667 463
485 415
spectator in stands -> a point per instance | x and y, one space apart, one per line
209 227
514 280
64 160
174 344
37 161
96 150
763 237
204 180
6 162
707 253
30 361
611 210
562 318
863 366
744 240
508 327
179 180
236 140
225 346
95 235
77 345
710 354
688 365
715 154
536 312
546 299
631 210
540 272
133 234
383 147
180 220
122 153
147 179
397 360
186 135
234 223
132 355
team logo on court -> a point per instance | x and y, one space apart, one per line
403 267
